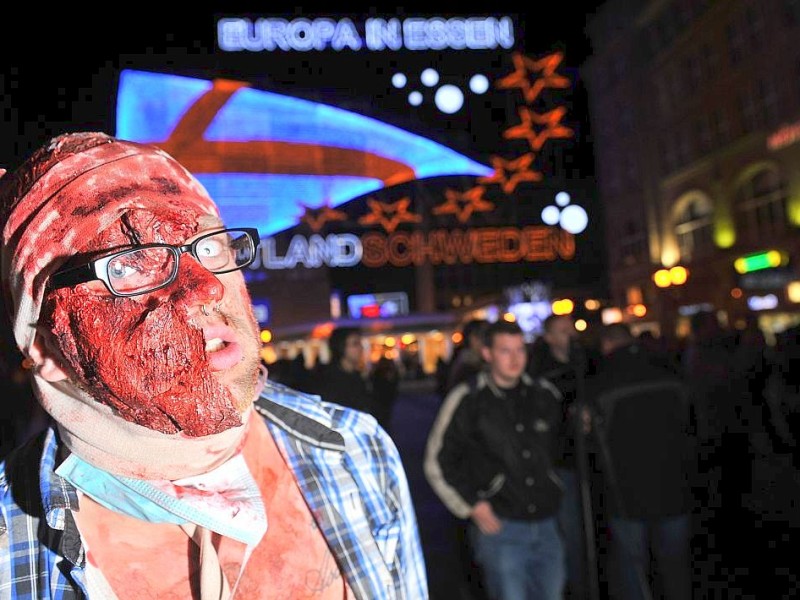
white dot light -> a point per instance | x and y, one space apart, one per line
562 198
574 219
478 84
429 77
550 215
449 99
415 98
399 80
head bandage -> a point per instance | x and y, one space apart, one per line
67 193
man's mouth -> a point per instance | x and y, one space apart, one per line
214 345
222 350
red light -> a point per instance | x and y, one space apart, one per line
370 311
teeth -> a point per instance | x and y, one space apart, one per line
214 344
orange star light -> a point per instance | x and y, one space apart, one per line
316 218
552 127
389 216
524 67
509 173
463 204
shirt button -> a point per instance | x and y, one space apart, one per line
531 508
526 454
529 481
520 427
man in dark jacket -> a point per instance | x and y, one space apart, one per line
644 424
489 459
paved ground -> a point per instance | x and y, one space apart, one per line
744 547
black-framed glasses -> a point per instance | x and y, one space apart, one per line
149 267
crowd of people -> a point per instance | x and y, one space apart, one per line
636 434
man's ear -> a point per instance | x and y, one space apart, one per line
46 359
486 353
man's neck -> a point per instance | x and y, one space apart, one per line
505 383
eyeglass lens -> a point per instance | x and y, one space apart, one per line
143 269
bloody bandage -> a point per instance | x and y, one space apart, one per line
67 193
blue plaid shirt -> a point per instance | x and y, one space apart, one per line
346 466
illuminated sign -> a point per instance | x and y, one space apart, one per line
767 302
483 245
372 306
759 261
236 34
785 136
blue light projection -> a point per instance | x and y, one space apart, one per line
256 129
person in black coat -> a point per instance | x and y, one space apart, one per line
341 380
643 419
385 379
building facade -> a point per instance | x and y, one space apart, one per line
695 110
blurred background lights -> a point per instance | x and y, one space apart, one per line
678 275
611 315
429 77
550 215
574 219
793 291
662 279
565 306
266 336
415 98
580 325
399 80
449 99
592 304
478 84
562 198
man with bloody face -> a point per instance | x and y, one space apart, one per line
172 468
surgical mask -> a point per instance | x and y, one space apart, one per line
226 500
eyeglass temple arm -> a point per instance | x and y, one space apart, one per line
73 276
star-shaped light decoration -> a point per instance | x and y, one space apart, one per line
463 204
316 218
389 216
524 67
552 127
509 173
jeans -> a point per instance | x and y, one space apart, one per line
524 560
669 540
570 521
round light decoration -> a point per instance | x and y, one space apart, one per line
478 84
399 80
550 215
415 98
429 77
574 219
562 198
449 99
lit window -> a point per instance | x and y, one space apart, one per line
693 229
761 205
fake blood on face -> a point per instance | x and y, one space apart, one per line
145 356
